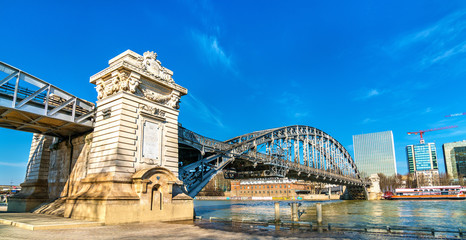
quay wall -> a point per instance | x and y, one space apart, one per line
309 197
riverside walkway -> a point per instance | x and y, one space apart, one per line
38 226
180 231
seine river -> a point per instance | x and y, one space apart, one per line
432 214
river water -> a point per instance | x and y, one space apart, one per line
439 215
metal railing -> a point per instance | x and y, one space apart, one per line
47 100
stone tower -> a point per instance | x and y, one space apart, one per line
132 168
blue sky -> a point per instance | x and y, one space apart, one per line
345 68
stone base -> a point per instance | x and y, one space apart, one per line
24 204
111 200
127 211
375 196
31 196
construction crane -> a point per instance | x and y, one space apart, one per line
456 114
421 132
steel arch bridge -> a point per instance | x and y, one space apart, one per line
299 152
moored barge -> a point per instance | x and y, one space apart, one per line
429 193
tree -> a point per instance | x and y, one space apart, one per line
389 183
444 179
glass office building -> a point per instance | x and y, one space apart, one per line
421 157
455 159
375 153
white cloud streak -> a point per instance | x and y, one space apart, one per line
213 52
13 164
204 112
372 93
368 120
438 42
368 94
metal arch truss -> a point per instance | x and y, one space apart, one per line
27 102
295 151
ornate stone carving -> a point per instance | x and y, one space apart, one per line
172 100
152 66
121 82
152 111
100 88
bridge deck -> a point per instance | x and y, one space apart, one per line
30 104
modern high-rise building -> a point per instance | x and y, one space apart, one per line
421 157
455 159
375 153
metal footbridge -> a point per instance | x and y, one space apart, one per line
298 152
30 104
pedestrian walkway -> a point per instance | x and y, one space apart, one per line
32 221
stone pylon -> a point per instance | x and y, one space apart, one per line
131 174
34 189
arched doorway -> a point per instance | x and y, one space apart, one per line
156 198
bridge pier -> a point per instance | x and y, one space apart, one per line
355 193
34 189
126 170
133 163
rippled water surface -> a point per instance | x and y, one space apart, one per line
432 214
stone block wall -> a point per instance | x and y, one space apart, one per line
68 163
39 158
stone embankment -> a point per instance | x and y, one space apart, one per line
309 197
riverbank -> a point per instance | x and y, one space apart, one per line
309 197
180 231
217 229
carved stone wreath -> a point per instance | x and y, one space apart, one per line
171 100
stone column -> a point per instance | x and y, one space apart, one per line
34 190
136 130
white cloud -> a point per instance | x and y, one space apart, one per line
204 112
212 51
368 120
13 164
372 93
437 42
363 95
460 48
